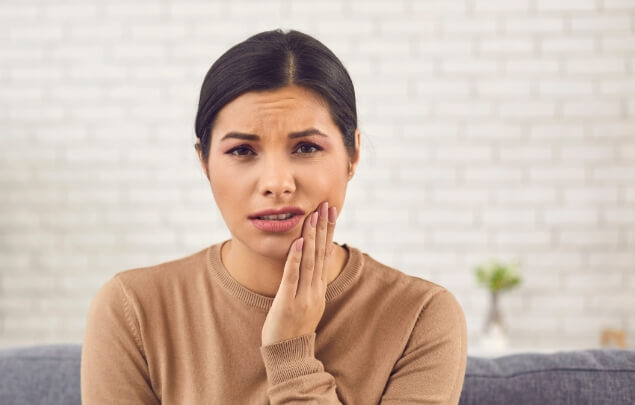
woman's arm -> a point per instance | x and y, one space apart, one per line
432 367
113 365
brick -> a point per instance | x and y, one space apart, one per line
463 109
623 86
624 43
527 194
556 174
592 282
600 23
421 27
133 10
20 11
567 45
617 5
589 324
523 238
525 152
533 24
590 194
503 216
590 239
69 11
471 25
506 46
565 87
459 196
493 130
620 217
500 6
188 9
532 65
449 46
596 65
492 174
345 26
444 217
458 238
566 5
587 153
570 216
613 173
427 174
441 87
439 6
591 109
527 109
613 129
362 7
502 87
463 153
469 66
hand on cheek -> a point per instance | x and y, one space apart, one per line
301 298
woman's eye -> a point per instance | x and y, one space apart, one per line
308 148
239 151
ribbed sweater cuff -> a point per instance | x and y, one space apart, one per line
290 359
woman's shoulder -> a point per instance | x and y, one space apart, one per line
164 273
394 278
384 285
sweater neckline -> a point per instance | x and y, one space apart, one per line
348 274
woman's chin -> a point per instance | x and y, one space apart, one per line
274 248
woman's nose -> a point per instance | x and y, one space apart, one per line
276 178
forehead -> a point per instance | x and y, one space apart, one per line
289 108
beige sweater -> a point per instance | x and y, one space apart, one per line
186 332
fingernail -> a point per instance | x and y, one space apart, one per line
332 214
314 218
324 210
298 244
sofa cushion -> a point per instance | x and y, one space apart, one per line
575 377
46 374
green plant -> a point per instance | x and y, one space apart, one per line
498 276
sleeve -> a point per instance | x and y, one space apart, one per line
113 364
432 367
294 375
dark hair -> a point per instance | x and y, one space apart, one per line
271 60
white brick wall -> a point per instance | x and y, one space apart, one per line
490 129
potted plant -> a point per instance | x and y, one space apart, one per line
496 277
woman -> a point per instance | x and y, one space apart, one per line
279 313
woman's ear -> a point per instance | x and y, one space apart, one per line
199 151
355 159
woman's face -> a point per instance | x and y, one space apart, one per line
274 149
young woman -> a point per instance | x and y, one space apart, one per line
279 313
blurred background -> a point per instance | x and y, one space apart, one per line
490 129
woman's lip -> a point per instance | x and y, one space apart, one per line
283 210
272 225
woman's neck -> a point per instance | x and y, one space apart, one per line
262 274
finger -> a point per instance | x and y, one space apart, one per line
330 248
291 274
308 256
320 246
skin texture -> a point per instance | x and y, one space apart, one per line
272 172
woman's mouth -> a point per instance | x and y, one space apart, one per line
276 223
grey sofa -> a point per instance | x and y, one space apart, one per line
50 374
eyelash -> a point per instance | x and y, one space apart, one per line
300 145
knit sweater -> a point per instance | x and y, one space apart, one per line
186 332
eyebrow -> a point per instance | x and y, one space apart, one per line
292 135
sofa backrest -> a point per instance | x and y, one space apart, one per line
50 374
47 374
568 377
